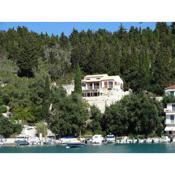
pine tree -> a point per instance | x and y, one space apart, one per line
46 99
64 41
77 81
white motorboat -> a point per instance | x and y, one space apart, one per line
34 140
149 140
97 139
142 141
71 142
66 140
129 141
123 140
1 140
156 140
165 139
110 138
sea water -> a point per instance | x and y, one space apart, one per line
106 148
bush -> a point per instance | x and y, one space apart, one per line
41 127
6 99
3 109
6 127
168 99
17 128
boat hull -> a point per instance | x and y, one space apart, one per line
75 145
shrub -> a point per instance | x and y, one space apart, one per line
41 127
3 109
6 127
17 128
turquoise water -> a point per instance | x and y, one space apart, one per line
109 148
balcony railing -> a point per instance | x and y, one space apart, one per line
169 122
96 87
169 110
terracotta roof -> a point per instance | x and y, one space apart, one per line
171 87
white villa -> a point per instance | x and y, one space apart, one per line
102 84
170 112
100 90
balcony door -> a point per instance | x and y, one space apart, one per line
172 119
173 107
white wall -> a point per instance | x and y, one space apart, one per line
102 101
169 106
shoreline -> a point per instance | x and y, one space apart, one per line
64 145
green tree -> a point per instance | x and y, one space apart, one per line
136 114
3 109
58 60
41 127
23 114
69 115
6 127
77 81
46 99
96 119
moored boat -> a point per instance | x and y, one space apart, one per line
110 138
75 145
97 140
71 142
21 142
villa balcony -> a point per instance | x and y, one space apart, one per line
169 122
166 110
96 87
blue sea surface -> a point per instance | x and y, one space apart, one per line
106 148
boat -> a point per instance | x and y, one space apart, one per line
141 141
75 145
33 141
110 138
155 140
21 141
49 141
149 140
123 140
129 141
69 139
1 140
71 142
97 140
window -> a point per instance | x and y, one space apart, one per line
89 86
172 93
171 117
110 84
106 85
173 107
96 85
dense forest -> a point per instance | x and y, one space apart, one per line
30 62
144 58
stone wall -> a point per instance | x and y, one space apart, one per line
102 101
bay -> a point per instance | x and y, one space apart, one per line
106 148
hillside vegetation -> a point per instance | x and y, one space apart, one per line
30 62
